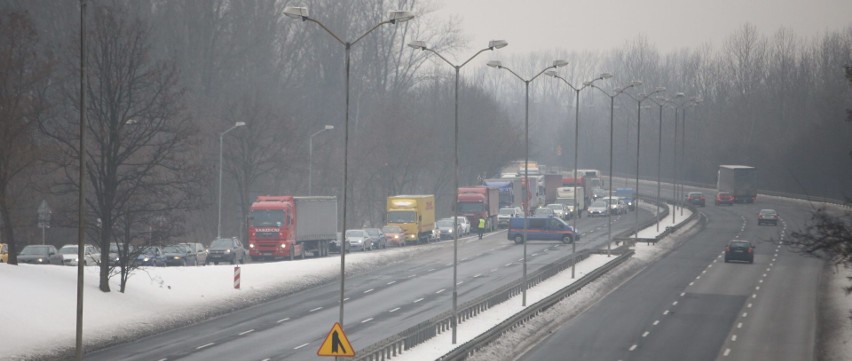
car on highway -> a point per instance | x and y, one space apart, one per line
543 212
358 240
598 208
767 216
598 193
179 255
198 249
464 224
379 239
394 235
91 256
617 205
150 256
446 228
507 213
695 198
40 254
541 228
4 253
724 198
559 210
739 250
229 250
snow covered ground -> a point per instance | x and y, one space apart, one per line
39 302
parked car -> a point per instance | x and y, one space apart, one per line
767 216
226 250
559 210
446 228
464 224
199 251
394 235
379 240
116 250
739 250
4 253
695 198
179 255
358 240
40 254
507 213
91 255
150 256
724 198
598 208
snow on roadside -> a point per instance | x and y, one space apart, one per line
835 335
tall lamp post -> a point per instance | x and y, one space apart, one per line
311 156
221 140
576 90
492 45
394 17
692 101
639 99
661 102
499 65
616 92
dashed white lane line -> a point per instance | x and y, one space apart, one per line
682 294
316 309
733 337
430 270
508 264
283 320
459 283
749 305
727 352
441 290
656 322
674 303
205 345
245 332
370 290
300 346
477 275
633 347
754 295
162 359
346 299
367 320
691 283
745 314
394 310
412 276
740 325
418 300
646 334
666 312
391 282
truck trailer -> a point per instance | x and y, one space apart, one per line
288 226
415 214
739 180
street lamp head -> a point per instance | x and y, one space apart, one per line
329 127
606 76
495 64
659 89
636 83
239 124
680 95
551 73
296 12
559 63
497 44
399 16
618 90
418 44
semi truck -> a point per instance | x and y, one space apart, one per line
479 202
289 226
506 189
415 214
551 183
738 180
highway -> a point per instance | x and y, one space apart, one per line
691 305
379 303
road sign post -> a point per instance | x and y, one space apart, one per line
44 213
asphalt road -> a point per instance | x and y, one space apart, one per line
691 305
378 304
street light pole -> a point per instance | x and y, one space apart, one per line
81 221
611 131
311 156
576 90
492 45
499 65
221 139
395 17
639 100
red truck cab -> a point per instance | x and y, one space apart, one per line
270 228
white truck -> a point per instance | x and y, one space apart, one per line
738 180
565 195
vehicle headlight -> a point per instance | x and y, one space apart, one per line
251 245
177 257
145 259
283 245
40 260
227 251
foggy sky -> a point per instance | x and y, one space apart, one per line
601 25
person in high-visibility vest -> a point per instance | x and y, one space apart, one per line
481 227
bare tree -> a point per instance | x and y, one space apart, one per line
23 79
138 155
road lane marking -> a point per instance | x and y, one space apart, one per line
205 345
740 325
633 347
749 305
757 288
460 282
367 320
394 310
691 283
346 299
666 312
674 303
754 295
733 337
656 322
245 332
464 259
508 264
282 320
477 275
745 314
727 351
682 294
645 334
370 290
317 309
391 282
418 300
430 270
300 346
441 290
414 275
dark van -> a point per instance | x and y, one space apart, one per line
541 228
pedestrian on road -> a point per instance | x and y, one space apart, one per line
481 227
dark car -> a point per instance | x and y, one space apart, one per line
695 198
739 250
767 216
724 198
150 256
40 254
379 239
226 250
179 255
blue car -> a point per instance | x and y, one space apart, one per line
151 256
542 229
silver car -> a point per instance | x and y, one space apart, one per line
40 254
91 256
359 240
598 208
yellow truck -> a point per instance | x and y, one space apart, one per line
415 214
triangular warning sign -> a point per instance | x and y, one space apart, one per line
336 343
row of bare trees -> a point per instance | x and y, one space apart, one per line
166 78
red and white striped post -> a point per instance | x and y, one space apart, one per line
237 277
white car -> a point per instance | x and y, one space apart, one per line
91 255
598 208
559 210
617 205
464 224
